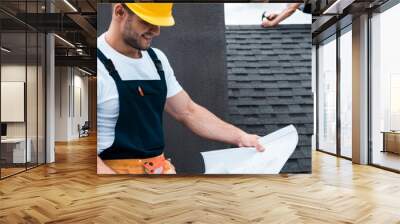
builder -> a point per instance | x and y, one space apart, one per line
274 19
135 84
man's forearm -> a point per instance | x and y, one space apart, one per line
287 12
205 124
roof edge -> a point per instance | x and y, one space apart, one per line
258 27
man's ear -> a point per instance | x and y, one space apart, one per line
118 10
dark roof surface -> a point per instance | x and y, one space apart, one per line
269 84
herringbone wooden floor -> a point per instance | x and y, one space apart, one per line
69 191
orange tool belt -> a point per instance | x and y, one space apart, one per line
154 165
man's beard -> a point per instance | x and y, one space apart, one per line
132 42
131 39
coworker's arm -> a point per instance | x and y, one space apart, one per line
205 124
274 19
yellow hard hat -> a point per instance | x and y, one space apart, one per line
159 14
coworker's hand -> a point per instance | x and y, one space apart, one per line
269 23
102 168
248 140
272 16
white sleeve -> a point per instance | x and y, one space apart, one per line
106 87
173 85
100 84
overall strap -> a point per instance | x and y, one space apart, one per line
157 63
108 64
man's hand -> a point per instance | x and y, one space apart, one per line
270 20
269 23
248 140
274 19
102 168
272 16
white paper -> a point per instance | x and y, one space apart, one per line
278 145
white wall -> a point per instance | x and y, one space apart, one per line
61 103
79 117
70 83
33 127
12 73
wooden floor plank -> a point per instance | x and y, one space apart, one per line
70 191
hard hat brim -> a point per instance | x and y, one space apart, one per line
159 21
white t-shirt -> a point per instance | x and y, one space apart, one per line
129 69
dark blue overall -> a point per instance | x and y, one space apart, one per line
139 128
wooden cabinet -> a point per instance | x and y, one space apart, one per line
391 142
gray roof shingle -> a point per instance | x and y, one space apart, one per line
269 84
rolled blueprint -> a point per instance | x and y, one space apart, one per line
279 146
